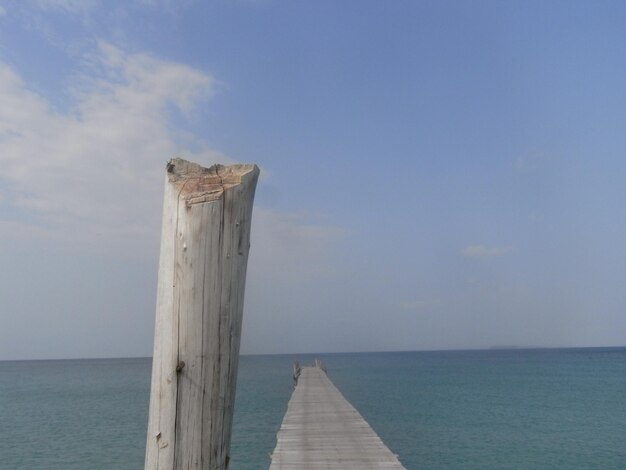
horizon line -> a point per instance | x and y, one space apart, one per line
495 348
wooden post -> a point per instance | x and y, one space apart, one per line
319 364
202 270
296 373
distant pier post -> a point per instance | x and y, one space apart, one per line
202 271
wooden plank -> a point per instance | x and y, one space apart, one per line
204 254
321 430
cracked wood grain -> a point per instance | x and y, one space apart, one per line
202 269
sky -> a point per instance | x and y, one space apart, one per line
435 174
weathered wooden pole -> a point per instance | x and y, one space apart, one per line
202 271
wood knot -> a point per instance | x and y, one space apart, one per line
180 366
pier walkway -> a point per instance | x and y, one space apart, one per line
321 430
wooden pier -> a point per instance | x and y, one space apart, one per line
321 430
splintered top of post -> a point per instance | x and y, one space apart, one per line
199 184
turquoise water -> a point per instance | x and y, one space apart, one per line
518 409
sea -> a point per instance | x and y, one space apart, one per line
483 410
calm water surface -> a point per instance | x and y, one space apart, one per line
488 410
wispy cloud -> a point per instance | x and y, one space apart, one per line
98 167
2 11
94 174
481 251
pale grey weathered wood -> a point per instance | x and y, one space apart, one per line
204 253
321 430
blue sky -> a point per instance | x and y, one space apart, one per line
435 174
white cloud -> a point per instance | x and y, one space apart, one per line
481 251
93 176
97 169
2 11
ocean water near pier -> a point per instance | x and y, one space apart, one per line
497 409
